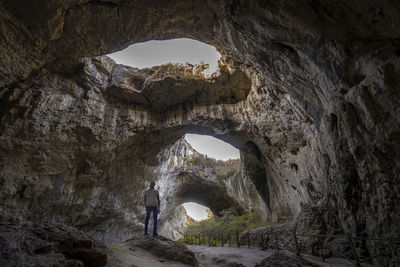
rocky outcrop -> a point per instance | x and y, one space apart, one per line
188 176
285 259
173 226
165 249
313 221
319 120
49 244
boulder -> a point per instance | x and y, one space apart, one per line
164 248
49 244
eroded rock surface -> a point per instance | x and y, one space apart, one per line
188 176
318 123
313 221
164 248
285 259
49 244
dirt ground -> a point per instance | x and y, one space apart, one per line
233 256
127 256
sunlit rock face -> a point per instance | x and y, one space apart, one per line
319 123
188 176
174 224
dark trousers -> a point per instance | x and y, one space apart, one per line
149 210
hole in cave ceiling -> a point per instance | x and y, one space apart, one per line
181 50
212 147
196 211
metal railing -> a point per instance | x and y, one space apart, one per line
247 240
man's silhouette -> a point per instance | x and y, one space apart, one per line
152 203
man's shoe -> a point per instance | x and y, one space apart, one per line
155 235
146 234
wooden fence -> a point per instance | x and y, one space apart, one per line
233 239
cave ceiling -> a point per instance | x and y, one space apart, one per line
308 91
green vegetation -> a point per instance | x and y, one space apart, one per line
228 223
226 169
114 248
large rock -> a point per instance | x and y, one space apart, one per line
49 244
312 221
164 248
284 259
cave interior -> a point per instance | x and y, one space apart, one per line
308 91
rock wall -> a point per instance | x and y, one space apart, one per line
319 121
185 175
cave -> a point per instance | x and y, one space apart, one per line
308 91
185 175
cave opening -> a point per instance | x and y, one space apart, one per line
196 211
73 129
176 51
212 147
203 174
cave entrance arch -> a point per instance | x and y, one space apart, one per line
189 176
196 211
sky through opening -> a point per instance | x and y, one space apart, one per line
196 211
212 147
155 53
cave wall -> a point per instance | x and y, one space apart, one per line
185 175
320 119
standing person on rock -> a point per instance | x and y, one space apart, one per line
152 203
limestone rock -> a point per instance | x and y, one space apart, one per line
318 123
173 226
285 259
49 244
311 222
164 248
186 175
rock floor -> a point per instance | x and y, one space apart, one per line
238 257
136 257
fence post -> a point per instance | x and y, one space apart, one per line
277 243
237 239
229 239
209 240
321 250
222 238
262 241
199 239
248 239
353 249
296 243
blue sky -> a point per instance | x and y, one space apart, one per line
212 147
196 211
183 50
154 53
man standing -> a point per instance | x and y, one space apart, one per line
152 203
